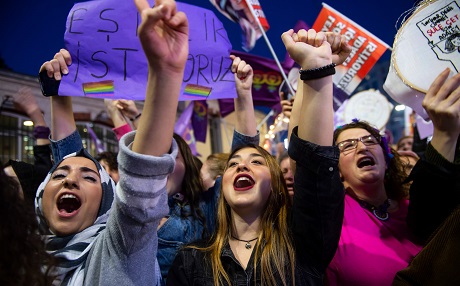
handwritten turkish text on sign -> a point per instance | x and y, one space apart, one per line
442 30
108 60
366 48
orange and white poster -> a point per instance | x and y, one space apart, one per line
366 48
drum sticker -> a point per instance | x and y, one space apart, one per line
442 29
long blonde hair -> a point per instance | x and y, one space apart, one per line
275 250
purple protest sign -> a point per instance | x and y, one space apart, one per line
108 60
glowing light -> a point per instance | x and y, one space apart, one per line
400 107
28 123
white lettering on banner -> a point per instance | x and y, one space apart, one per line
339 27
328 24
357 64
350 34
357 44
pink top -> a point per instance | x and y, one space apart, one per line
371 251
122 130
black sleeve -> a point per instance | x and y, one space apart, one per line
434 193
177 274
318 206
42 156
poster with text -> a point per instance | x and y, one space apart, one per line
366 48
108 60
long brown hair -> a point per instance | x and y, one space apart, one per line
24 260
394 174
191 184
275 252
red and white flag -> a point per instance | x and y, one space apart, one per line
240 12
366 48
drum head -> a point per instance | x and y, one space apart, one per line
426 44
370 106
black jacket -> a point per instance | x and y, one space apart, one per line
434 216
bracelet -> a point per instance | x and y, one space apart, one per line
318 72
41 132
136 117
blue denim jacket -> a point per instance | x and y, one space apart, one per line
66 146
177 230
239 139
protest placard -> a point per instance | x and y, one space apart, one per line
108 60
366 48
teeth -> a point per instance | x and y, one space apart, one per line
243 179
68 196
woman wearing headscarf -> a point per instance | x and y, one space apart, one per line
102 235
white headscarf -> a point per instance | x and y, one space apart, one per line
72 250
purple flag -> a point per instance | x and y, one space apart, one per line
184 128
265 86
108 60
96 141
200 120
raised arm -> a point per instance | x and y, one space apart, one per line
62 120
246 126
439 168
65 138
120 125
244 106
313 50
146 156
129 110
442 103
25 101
318 196
164 37
313 103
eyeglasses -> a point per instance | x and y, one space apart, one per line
351 144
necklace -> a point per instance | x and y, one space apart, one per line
248 242
380 212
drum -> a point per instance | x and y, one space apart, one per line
427 43
369 105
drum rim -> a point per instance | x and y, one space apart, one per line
396 69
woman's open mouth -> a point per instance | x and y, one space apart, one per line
68 204
243 182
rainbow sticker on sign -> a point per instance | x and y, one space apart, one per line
197 91
99 89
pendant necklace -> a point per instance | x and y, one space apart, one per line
380 212
248 242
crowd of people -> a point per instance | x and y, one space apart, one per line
341 206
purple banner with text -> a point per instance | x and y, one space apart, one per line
108 60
